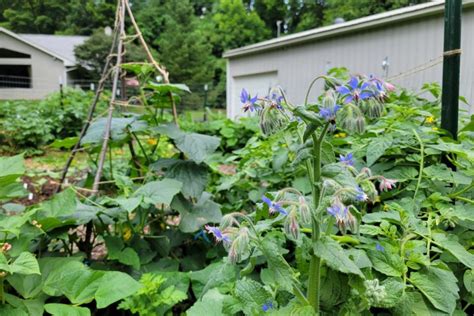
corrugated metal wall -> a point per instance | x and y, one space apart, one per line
406 44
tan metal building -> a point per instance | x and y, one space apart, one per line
407 41
34 65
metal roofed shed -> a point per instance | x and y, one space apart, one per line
386 45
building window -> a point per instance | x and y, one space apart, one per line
6 53
15 76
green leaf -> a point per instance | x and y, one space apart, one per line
157 192
210 305
443 173
115 286
377 148
195 146
66 310
26 263
438 286
11 169
308 116
193 217
252 295
390 264
469 281
165 88
281 271
61 204
450 243
214 275
340 174
193 176
130 257
129 204
280 158
335 257
118 131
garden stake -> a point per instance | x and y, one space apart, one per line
451 66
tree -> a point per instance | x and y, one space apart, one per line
235 27
304 15
353 9
93 53
271 11
35 16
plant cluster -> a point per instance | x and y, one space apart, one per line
29 125
354 203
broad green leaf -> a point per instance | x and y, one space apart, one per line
213 276
443 173
377 217
61 204
191 175
80 285
196 147
129 257
252 295
129 204
158 192
413 304
193 217
118 130
66 143
340 174
164 88
282 272
390 264
451 244
394 290
66 310
438 286
11 169
469 281
26 263
377 148
279 159
115 286
210 305
335 257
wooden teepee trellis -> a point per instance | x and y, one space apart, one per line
117 50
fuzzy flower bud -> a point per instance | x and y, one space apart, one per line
239 246
228 220
291 225
304 210
374 292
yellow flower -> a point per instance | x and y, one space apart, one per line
340 135
386 207
127 233
430 120
435 129
152 141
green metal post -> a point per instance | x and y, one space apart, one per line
451 66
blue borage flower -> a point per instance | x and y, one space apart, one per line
360 195
247 101
344 218
201 234
355 90
267 306
218 234
380 87
329 114
379 247
275 100
347 159
274 207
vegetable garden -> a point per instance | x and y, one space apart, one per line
352 203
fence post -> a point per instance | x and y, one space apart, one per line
451 66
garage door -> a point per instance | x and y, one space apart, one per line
260 84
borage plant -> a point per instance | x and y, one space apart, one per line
316 223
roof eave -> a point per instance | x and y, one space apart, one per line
19 38
407 13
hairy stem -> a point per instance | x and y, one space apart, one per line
315 263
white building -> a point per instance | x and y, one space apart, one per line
409 40
33 65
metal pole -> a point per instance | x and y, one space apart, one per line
451 66
205 102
